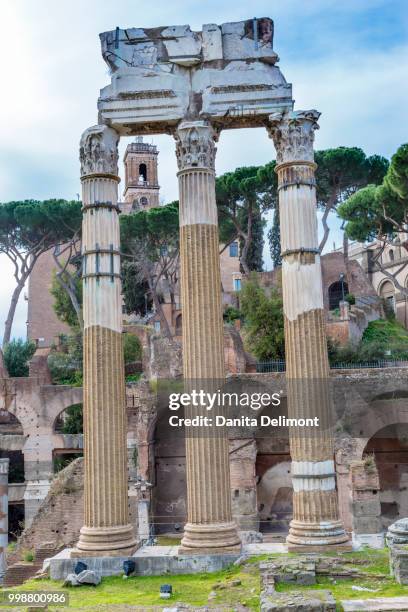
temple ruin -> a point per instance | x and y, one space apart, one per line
192 85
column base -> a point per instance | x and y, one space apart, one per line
212 538
317 537
105 541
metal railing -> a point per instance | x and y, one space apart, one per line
367 300
263 367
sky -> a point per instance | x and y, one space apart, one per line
347 59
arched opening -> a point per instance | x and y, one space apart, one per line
69 423
391 255
12 441
70 420
144 201
142 173
11 444
169 505
274 492
387 292
135 205
337 291
273 474
390 449
179 324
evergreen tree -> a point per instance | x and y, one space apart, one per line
274 239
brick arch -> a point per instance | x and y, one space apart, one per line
41 404
384 283
384 412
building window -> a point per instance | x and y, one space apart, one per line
391 255
142 173
144 201
237 284
157 326
135 205
233 249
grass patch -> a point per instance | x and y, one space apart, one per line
164 540
374 564
192 589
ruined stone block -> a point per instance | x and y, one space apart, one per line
367 524
295 601
367 507
399 563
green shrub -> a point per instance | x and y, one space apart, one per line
130 378
28 555
387 335
65 364
263 316
132 348
350 298
17 354
231 314
382 339
73 420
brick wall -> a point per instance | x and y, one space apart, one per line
42 322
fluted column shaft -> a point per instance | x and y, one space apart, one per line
316 520
4 469
210 527
106 527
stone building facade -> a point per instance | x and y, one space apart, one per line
394 260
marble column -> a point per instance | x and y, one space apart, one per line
316 523
4 469
209 526
107 530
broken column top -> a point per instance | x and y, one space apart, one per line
162 75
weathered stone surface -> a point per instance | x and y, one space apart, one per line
295 601
297 571
398 532
367 524
163 75
85 577
382 604
250 537
399 563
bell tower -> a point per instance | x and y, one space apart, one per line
141 181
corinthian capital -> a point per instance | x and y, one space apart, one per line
98 150
293 135
195 145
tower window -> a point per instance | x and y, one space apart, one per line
144 201
142 173
233 249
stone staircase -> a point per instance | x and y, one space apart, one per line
19 572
